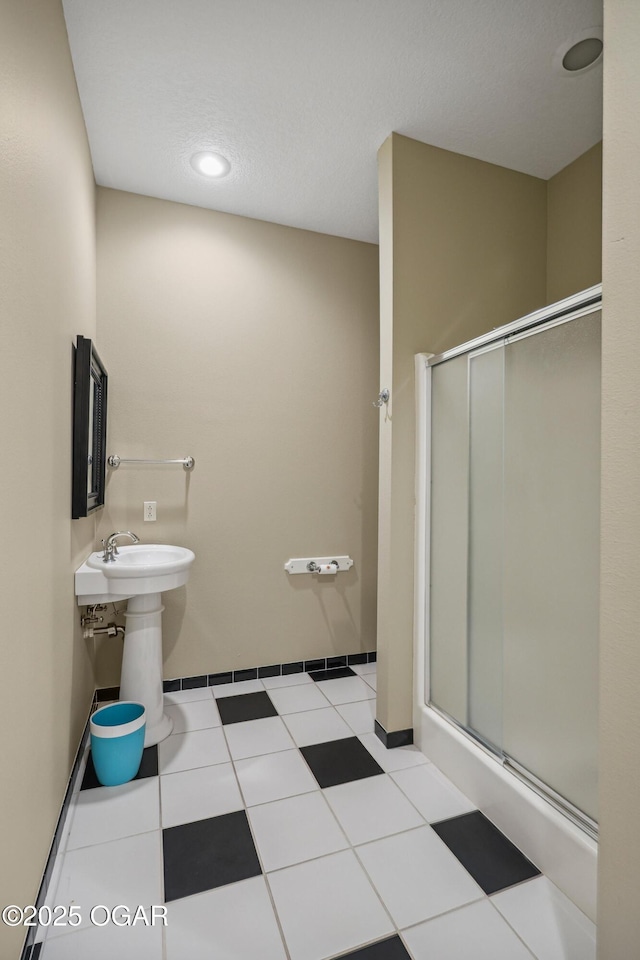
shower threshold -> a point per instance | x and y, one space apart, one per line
560 841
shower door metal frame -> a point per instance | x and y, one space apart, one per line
578 305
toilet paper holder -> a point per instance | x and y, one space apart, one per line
323 566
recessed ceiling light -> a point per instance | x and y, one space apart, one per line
210 164
582 54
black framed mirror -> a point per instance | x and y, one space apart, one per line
89 430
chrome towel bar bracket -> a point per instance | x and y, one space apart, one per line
114 461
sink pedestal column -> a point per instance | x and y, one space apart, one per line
141 678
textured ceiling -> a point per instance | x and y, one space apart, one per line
299 95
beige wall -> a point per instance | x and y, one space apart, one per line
574 226
462 250
619 872
253 348
47 296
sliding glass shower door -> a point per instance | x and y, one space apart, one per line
486 544
551 571
515 464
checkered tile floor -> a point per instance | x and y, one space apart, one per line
274 825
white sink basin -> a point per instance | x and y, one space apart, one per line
144 560
138 569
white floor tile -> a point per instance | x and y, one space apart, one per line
371 679
187 696
236 689
417 876
290 680
274 776
432 793
317 726
346 690
364 668
137 942
183 751
296 699
548 922
199 793
359 716
195 715
396 759
109 813
475 932
255 737
124 871
235 922
293 830
327 907
372 808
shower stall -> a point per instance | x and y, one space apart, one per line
507 579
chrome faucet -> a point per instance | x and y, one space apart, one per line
110 546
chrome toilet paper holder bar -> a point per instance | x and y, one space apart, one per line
325 568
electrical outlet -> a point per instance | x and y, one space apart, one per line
150 509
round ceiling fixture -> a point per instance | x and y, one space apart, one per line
210 164
580 52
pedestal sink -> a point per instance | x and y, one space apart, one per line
139 574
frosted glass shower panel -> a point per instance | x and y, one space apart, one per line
449 537
551 556
486 403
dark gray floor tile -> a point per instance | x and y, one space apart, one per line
246 706
391 949
491 859
208 853
340 761
334 674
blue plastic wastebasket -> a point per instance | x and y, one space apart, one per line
117 741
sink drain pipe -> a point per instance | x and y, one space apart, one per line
111 630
